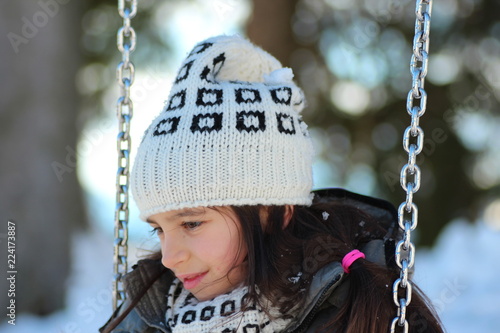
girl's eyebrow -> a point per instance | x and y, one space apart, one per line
188 213
184 213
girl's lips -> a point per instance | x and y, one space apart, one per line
192 281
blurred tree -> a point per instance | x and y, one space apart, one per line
98 46
352 60
270 27
54 53
38 136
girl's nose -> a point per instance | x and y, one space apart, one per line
173 252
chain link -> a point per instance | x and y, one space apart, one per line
125 72
413 142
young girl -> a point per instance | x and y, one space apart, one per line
223 177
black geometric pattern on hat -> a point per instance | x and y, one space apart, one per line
208 74
227 308
218 62
200 48
184 72
228 330
303 127
282 95
207 313
246 121
247 95
206 122
189 317
167 126
285 123
204 74
177 101
209 97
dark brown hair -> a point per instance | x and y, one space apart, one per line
282 262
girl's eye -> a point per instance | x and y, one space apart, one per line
156 231
191 225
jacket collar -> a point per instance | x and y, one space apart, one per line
324 286
152 306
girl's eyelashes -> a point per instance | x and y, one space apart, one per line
156 231
191 225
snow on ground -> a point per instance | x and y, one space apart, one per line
89 292
460 275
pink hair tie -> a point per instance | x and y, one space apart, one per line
350 258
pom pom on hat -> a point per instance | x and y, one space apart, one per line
243 61
279 76
230 134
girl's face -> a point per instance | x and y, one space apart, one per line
203 247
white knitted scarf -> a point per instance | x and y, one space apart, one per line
185 314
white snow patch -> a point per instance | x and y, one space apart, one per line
89 290
460 275
295 279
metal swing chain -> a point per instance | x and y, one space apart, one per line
126 41
413 142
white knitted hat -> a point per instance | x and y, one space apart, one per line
230 134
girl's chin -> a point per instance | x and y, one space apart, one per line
209 292
208 287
